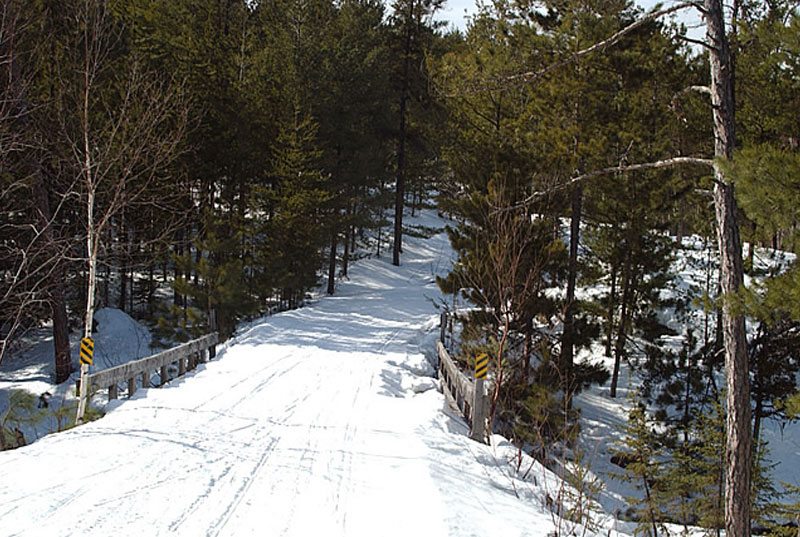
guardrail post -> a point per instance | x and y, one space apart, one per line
442 326
113 392
164 375
212 325
181 366
478 431
145 379
131 386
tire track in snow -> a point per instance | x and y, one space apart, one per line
241 492
254 375
270 431
344 484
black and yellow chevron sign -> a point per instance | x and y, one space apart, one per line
481 366
87 350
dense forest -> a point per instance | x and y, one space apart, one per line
171 159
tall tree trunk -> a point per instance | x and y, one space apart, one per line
687 399
58 306
757 420
738 449
44 218
401 148
348 229
568 336
151 283
380 233
612 306
346 253
332 264
619 348
106 278
123 282
527 348
177 298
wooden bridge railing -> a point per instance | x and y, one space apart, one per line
462 393
187 356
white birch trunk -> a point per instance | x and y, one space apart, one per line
91 236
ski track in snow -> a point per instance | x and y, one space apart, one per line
307 423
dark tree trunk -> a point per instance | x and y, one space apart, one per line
348 229
106 278
58 307
612 306
687 400
44 217
619 348
738 449
568 336
177 297
757 415
332 264
401 147
380 232
151 284
528 349
198 256
123 285
60 329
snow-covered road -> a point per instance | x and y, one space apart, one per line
320 421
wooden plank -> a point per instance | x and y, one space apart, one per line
463 394
462 383
478 430
125 371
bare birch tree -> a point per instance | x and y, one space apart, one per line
120 146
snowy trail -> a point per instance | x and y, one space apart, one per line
319 421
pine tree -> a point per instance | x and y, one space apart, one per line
695 479
641 452
299 213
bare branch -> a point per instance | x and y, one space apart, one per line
695 42
535 75
667 163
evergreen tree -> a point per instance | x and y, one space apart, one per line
299 213
678 383
641 452
695 479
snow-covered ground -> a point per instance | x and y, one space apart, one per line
318 421
118 339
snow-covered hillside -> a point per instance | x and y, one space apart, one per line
319 421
